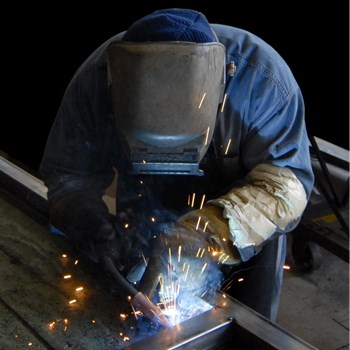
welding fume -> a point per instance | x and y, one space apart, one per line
197 131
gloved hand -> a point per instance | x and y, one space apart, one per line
210 224
85 219
188 255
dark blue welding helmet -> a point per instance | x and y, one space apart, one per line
167 78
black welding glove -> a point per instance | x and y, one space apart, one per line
84 218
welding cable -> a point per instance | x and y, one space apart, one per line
151 311
112 271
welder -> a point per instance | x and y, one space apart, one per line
202 128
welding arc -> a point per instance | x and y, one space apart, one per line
113 272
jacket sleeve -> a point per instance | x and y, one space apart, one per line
81 146
274 193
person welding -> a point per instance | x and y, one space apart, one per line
203 127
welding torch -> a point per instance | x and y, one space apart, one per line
138 299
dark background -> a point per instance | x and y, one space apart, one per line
43 46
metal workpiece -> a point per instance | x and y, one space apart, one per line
24 190
58 303
229 324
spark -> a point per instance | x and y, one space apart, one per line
123 316
202 202
199 250
64 255
198 221
67 277
126 338
203 251
193 198
286 267
72 301
133 309
223 103
188 268
93 321
141 182
225 259
189 200
79 289
144 259
30 344
200 104
51 325
241 279
207 136
228 146
205 226
76 262
224 296
65 324
204 267
144 162
170 260
153 219
204 293
126 225
179 254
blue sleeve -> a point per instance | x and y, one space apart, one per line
264 114
80 150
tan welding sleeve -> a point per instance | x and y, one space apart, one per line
272 198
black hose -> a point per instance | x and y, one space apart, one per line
120 280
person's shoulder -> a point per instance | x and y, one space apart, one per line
98 58
245 44
252 54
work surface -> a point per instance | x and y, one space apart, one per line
50 298
40 307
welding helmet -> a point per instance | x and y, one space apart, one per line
167 79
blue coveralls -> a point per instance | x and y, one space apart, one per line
263 117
